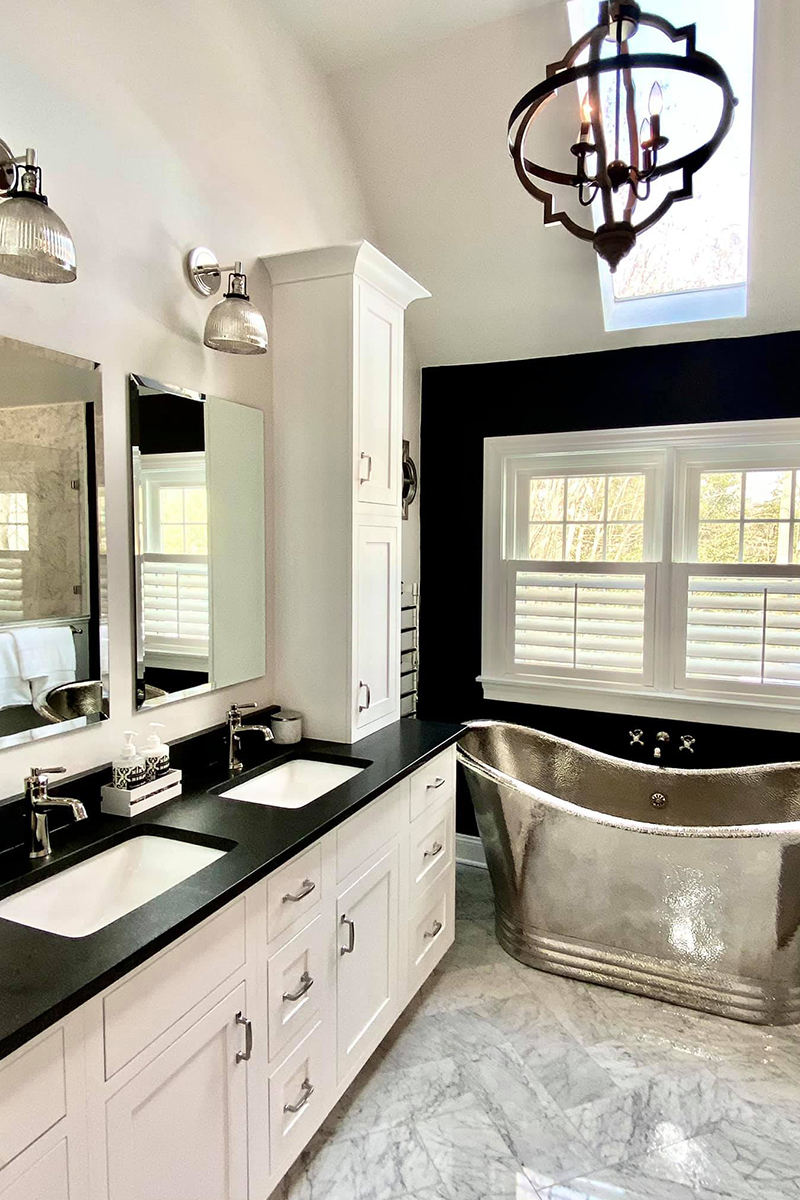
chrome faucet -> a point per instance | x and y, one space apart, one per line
235 731
660 737
38 805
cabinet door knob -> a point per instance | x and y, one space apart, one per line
306 889
350 947
438 782
307 1089
245 1055
435 930
365 686
306 983
365 459
435 849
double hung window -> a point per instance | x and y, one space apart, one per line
657 563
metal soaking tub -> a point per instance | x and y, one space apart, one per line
696 901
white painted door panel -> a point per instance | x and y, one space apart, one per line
179 1127
377 623
47 1178
367 961
379 397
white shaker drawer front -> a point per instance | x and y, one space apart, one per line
298 985
294 891
359 838
33 1094
432 848
300 1093
45 1179
432 931
148 1002
433 783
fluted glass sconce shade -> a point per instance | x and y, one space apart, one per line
234 326
35 243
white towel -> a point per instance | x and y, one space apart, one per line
14 690
46 657
45 651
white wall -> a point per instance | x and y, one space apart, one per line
428 130
412 380
161 126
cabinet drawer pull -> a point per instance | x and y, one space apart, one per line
436 930
308 1092
435 849
245 1055
365 686
438 782
362 478
350 947
306 890
306 982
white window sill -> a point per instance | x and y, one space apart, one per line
645 702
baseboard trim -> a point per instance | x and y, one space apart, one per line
469 850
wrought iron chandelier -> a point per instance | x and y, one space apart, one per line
614 170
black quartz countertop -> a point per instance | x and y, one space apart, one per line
44 976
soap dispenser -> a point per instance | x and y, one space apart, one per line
128 771
155 754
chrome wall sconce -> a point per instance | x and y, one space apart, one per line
35 243
410 479
234 326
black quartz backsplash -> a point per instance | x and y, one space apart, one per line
197 752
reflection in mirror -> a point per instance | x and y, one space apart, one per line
53 622
197 473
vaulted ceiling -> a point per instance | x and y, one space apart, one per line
424 91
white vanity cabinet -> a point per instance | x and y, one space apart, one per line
203 1073
367 962
337 355
183 1118
43 1117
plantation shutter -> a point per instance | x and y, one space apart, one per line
582 623
176 608
743 630
11 608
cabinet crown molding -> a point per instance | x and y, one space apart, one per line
360 259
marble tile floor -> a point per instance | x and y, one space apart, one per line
504 1083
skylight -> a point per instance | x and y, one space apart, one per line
692 266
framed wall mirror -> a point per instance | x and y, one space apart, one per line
197 484
53 596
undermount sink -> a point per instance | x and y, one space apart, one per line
87 897
294 784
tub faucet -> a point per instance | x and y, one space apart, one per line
38 805
235 731
660 737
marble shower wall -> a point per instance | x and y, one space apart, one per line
42 451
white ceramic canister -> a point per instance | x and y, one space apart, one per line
287 726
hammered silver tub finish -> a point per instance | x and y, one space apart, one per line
696 902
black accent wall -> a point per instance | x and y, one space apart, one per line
726 380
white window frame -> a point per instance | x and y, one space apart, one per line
671 456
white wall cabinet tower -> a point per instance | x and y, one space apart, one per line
337 346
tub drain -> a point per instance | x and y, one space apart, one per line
658 799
